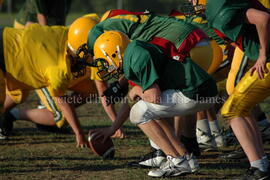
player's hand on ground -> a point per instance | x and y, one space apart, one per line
103 133
81 141
259 67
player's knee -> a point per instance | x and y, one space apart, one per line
138 113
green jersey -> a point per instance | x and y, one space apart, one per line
229 17
145 64
144 28
202 24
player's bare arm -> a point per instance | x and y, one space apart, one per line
70 114
101 87
262 21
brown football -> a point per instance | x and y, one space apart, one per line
105 150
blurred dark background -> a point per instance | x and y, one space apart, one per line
100 6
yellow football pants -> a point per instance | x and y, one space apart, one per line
249 91
240 64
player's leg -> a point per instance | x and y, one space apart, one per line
188 134
143 113
247 93
178 145
55 115
11 113
260 113
37 116
178 120
255 130
203 132
47 117
3 129
188 137
176 163
215 128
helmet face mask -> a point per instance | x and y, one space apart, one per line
77 48
79 61
105 70
109 52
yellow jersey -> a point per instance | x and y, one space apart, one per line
35 57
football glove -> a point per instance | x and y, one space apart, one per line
115 93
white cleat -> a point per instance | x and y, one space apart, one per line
205 140
218 138
172 167
193 162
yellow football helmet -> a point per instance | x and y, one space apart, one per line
77 44
78 32
109 52
94 16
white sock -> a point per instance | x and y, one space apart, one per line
15 112
203 125
153 145
214 126
259 164
176 160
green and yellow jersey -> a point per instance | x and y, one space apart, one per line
144 28
201 23
35 57
145 64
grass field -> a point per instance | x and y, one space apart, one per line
33 154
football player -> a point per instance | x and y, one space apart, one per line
83 88
53 66
168 89
208 131
195 43
246 23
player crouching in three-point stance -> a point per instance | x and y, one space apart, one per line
247 23
38 57
169 88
